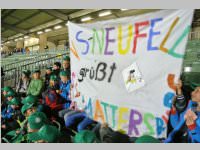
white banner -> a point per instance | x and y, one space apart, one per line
125 69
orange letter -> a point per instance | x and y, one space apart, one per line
99 112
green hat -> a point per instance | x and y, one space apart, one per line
37 120
66 58
49 68
47 133
147 139
26 72
25 107
85 136
53 77
10 93
36 70
7 88
194 85
29 99
14 101
65 73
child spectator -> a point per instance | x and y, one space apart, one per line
188 120
66 64
52 97
65 87
179 105
11 116
85 136
5 90
46 134
10 95
36 121
27 109
56 68
47 76
36 85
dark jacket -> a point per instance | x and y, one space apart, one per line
46 82
53 100
57 73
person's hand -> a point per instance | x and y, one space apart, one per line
3 126
190 117
104 125
78 94
17 131
58 91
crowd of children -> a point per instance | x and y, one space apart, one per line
40 111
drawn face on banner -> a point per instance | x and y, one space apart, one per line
133 78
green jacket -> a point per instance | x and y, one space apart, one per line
35 87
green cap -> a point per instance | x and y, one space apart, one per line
14 101
66 58
36 70
53 77
85 136
37 120
147 139
194 85
7 88
49 68
47 133
65 73
25 107
10 93
29 99
26 72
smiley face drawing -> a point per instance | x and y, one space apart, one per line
132 78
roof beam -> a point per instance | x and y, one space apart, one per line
82 13
28 17
8 13
56 14
18 30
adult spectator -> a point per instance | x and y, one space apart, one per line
23 84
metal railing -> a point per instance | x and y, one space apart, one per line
27 59
14 64
194 35
13 75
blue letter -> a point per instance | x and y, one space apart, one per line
82 41
159 126
152 33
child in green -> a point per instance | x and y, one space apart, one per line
36 85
